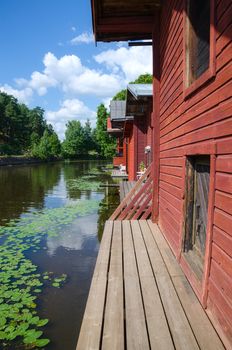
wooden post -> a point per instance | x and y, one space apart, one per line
156 116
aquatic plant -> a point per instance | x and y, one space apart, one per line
85 183
20 282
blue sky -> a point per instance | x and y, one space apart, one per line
48 58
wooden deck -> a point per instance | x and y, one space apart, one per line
139 297
137 204
125 187
119 174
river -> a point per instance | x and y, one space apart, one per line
51 222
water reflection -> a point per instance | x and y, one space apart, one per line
23 188
73 250
76 236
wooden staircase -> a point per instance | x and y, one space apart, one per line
138 202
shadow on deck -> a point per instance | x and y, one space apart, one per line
139 297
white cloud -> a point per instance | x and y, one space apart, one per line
23 95
70 109
84 38
69 75
131 61
94 83
73 29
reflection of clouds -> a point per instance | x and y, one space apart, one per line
74 237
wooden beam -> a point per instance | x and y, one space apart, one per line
156 116
137 28
140 43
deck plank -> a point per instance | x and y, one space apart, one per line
136 332
204 332
180 328
173 267
139 297
90 333
159 334
113 334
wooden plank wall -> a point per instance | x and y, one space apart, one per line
141 125
121 160
202 121
131 152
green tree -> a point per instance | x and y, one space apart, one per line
142 79
88 137
106 143
49 146
120 96
20 127
74 143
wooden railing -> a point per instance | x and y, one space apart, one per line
138 202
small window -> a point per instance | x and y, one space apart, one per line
198 39
197 193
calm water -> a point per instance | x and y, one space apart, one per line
32 192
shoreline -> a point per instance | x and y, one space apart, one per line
21 160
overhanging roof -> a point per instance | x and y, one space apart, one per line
118 20
139 97
140 90
117 110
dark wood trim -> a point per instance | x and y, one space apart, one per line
200 286
140 43
156 116
182 220
209 232
135 150
211 71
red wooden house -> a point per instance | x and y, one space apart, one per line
139 105
119 126
192 125
130 122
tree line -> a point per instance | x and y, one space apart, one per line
24 131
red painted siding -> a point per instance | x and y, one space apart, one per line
131 156
202 123
120 160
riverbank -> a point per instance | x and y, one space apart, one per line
23 160
19 160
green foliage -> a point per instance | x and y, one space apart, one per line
79 140
120 96
143 79
73 144
107 144
20 127
48 147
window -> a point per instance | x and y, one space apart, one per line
197 193
199 43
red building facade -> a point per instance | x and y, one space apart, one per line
192 143
130 123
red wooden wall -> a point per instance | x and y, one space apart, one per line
140 137
199 124
120 160
131 155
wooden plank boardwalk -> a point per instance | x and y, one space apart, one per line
125 187
139 297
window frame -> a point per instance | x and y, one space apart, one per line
211 71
